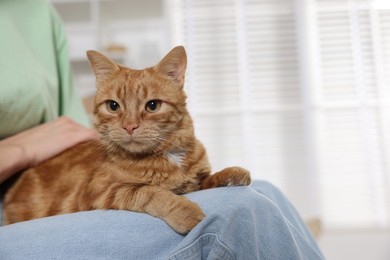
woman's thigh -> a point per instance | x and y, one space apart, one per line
241 222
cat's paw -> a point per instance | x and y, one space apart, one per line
184 217
231 176
234 176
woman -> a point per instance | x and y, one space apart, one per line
36 89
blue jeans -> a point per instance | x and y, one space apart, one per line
255 222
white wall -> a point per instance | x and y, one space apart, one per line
355 244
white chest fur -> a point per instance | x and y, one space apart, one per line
176 157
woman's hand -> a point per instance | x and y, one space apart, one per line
40 143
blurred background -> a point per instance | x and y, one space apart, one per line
297 91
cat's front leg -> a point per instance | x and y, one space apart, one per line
177 211
232 176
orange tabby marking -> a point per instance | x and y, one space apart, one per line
146 157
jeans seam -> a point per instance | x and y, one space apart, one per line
222 250
290 226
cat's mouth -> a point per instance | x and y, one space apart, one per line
136 145
131 140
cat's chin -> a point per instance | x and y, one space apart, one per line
136 148
128 145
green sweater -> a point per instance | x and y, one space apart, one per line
36 83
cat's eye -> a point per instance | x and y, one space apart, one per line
112 105
153 106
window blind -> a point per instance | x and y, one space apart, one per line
297 92
354 159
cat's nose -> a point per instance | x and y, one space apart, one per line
130 128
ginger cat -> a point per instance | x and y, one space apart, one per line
146 157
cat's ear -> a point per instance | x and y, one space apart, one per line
174 64
102 66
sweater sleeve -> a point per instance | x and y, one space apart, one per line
69 100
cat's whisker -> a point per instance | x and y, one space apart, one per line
164 140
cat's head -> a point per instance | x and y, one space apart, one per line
141 111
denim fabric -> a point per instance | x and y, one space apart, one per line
242 223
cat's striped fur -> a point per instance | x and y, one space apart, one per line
146 157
